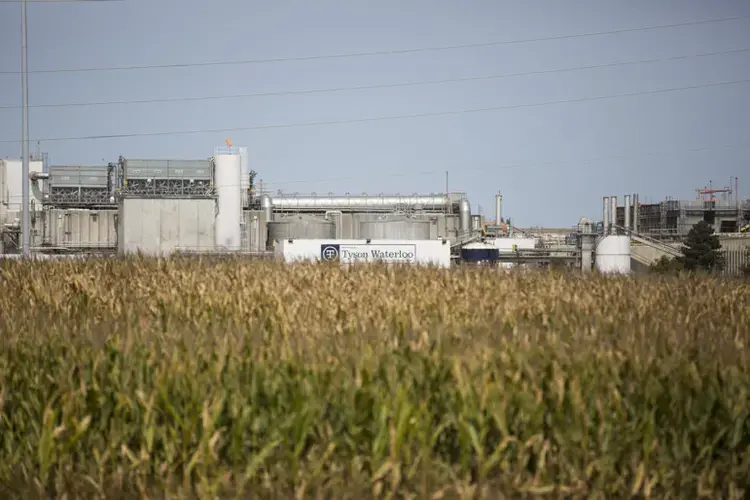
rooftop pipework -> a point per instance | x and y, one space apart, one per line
362 202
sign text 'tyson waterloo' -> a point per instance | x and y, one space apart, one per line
369 253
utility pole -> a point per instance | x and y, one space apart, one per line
26 217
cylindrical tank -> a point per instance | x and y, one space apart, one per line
266 206
613 254
303 227
480 253
476 223
227 179
464 216
395 228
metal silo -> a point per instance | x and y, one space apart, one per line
227 178
464 216
613 254
301 227
395 228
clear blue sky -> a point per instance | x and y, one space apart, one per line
567 155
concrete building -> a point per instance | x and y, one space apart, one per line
160 226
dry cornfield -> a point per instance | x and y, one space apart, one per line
205 379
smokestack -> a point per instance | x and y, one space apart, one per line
627 211
613 215
498 207
635 213
605 215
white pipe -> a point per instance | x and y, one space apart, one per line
339 229
605 215
627 211
35 177
498 208
432 202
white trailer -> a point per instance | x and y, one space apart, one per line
422 252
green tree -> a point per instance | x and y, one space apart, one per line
701 250
666 265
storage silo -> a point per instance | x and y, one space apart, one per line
389 227
228 180
296 227
613 254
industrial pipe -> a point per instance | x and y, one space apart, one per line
35 177
498 208
613 214
627 212
605 215
430 202
635 212
339 229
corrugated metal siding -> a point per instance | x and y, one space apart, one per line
734 249
167 169
81 228
78 176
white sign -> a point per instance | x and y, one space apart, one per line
435 252
372 252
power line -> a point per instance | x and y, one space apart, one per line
385 118
382 86
508 166
386 52
58 1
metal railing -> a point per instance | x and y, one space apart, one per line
646 240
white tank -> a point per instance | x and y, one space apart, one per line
613 254
228 181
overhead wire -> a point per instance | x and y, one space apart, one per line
510 166
384 52
383 118
384 85
58 1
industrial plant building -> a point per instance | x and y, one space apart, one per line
213 206
658 229
158 207
671 219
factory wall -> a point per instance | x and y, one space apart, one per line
348 225
733 247
13 217
254 231
158 226
80 228
11 190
